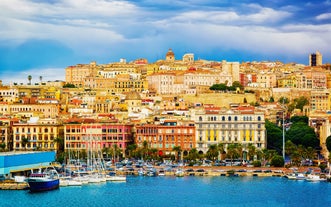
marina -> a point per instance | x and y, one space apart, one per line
180 191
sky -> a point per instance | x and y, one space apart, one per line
43 37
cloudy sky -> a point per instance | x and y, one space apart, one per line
42 37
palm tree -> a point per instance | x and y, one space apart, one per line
131 149
41 79
212 152
24 142
178 151
145 149
106 151
251 151
221 150
193 154
232 152
29 79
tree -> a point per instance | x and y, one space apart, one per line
283 100
106 151
232 152
193 154
29 79
3 146
271 100
237 84
328 143
295 119
277 161
41 79
131 149
274 136
178 151
221 150
301 133
212 152
301 102
251 151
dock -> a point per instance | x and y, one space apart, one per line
11 185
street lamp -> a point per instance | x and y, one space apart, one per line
284 110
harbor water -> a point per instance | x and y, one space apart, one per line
179 191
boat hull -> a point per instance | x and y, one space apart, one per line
42 185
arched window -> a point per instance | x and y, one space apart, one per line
229 118
223 118
259 118
236 118
200 118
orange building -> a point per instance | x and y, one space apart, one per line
89 135
167 135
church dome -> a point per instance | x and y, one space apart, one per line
170 55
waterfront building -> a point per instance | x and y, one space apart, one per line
242 126
36 134
166 135
83 135
21 163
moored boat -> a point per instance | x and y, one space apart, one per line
43 181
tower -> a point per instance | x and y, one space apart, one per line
170 56
315 59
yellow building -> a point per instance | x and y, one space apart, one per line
242 126
289 81
36 134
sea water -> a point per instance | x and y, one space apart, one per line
183 191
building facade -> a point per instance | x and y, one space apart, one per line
243 126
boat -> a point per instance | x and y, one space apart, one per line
179 172
43 181
315 178
300 176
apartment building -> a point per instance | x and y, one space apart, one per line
36 134
6 141
166 135
243 126
90 135
28 110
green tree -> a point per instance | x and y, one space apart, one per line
106 151
237 84
221 150
131 149
328 143
251 151
301 102
274 136
178 151
301 133
295 119
277 161
232 152
24 142
271 100
283 100
3 146
193 154
212 152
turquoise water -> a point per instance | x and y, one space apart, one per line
186 191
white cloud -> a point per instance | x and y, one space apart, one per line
48 74
324 16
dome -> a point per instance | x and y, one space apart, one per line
170 53
133 95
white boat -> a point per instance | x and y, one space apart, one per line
315 178
116 178
179 172
300 176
